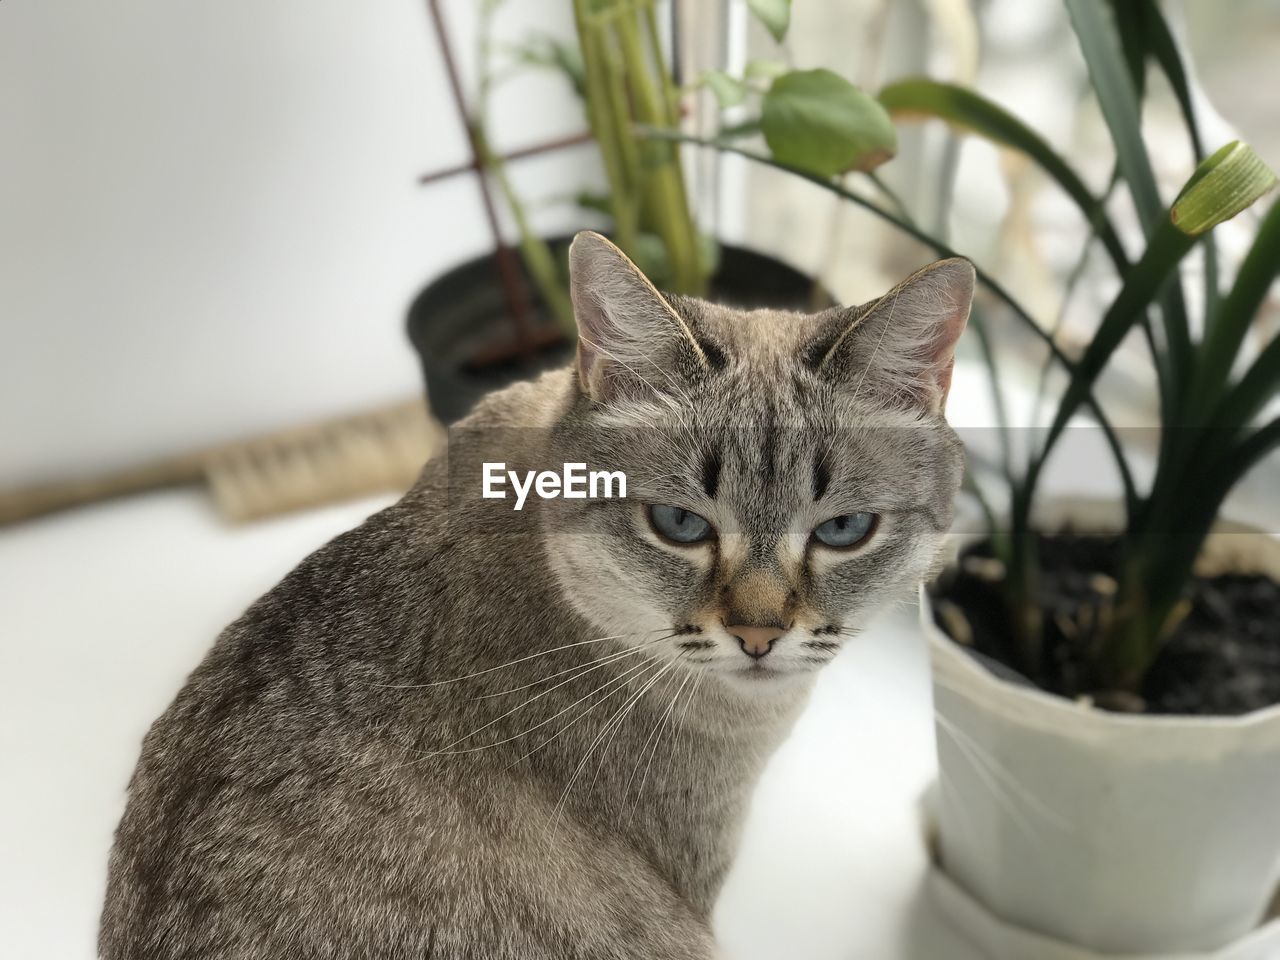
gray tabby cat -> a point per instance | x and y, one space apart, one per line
462 731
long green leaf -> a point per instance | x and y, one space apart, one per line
544 50
1243 458
1260 268
1156 40
920 97
1121 108
1170 551
969 110
1258 386
1184 481
1162 46
1165 49
1131 25
1143 284
1157 268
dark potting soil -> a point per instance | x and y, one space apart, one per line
1222 659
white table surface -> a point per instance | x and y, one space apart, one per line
104 611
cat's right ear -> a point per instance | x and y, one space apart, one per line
631 341
901 346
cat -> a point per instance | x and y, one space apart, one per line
464 732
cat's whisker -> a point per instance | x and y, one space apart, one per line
564 797
650 661
511 663
590 666
612 724
521 706
604 751
680 726
619 682
655 737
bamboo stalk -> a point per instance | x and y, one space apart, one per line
598 117
664 183
627 81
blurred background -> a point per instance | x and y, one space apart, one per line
213 225
211 222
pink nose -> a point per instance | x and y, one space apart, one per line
755 641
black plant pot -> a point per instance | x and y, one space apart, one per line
458 319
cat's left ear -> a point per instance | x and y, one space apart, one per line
631 341
902 346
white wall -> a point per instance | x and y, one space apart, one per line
209 216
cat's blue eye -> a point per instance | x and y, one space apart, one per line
679 525
845 531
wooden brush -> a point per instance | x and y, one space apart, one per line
382 450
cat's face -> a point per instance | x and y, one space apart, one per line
787 475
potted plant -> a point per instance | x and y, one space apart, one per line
1107 688
504 316
1107 672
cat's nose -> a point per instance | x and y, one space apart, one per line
755 642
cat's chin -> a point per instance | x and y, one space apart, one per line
759 680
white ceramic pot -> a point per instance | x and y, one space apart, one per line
1120 834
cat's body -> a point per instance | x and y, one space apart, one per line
457 733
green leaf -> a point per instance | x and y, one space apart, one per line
764 69
967 110
1230 181
774 14
729 91
818 121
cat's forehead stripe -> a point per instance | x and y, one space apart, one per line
821 475
711 465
